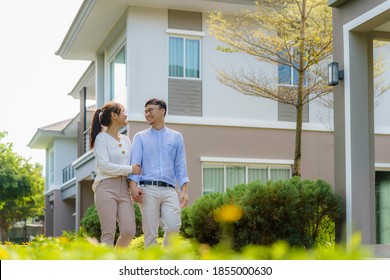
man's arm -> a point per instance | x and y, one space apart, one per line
181 164
136 156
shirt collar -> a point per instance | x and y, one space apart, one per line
153 130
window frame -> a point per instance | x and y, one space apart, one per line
111 86
186 35
292 71
384 168
51 168
247 164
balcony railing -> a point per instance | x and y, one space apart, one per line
86 140
67 173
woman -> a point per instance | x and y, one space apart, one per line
112 153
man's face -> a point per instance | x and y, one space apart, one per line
153 114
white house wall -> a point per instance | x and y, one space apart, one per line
147 49
147 58
221 100
65 151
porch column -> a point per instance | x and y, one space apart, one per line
359 137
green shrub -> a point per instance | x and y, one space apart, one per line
301 213
200 222
186 228
270 214
138 220
91 224
320 207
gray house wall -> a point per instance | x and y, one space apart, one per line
354 131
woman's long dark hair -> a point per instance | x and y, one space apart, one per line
102 117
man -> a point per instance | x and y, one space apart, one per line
160 152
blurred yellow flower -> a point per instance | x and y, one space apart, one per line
63 240
3 254
228 213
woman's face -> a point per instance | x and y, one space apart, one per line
122 117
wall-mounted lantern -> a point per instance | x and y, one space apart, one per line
334 74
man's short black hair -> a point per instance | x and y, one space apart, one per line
157 101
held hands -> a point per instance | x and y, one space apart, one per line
136 192
136 169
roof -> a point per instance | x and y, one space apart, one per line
62 129
58 126
96 20
45 135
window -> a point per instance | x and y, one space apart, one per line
184 57
213 178
287 75
217 177
382 199
118 77
51 167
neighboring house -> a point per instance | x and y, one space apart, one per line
60 140
25 231
143 49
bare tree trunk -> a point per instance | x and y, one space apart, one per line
4 235
298 143
299 106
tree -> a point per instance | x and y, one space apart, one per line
293 34
21 188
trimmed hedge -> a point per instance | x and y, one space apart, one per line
300 212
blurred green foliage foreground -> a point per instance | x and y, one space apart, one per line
247 222
72 246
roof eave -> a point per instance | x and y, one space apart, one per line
82 41
336 3
96 19
42 139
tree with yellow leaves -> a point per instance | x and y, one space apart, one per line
292 34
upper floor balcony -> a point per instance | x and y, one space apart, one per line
67 173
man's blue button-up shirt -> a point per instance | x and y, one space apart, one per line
161 154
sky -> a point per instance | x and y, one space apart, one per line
34 82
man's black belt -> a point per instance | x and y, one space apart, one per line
156 183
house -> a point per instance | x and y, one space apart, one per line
361 146
60 140
230 138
